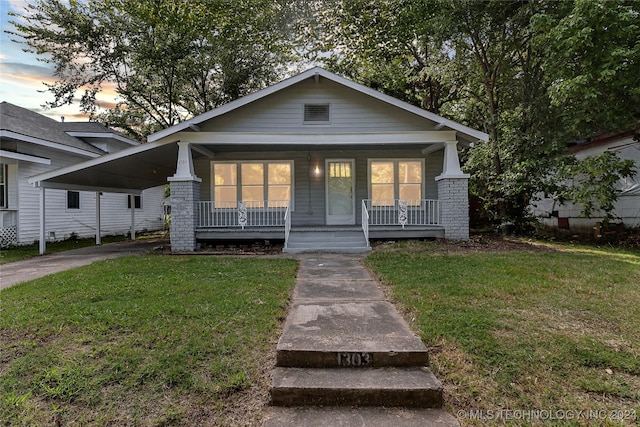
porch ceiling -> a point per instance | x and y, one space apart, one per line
126 171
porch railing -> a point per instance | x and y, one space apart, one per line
287 225
365 221
270 213
402 212
278 213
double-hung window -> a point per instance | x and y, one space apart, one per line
258 184
3 186
392 180
137 202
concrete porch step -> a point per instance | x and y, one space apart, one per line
327 249
341 241
367 416
407 387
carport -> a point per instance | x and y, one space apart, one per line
127 171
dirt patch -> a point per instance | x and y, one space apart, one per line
475 244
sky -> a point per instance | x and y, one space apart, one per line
22 73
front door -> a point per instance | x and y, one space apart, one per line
340 188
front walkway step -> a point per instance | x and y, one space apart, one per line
339 241
329 334
409 387
347 417
346 356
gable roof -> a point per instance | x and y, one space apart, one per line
441 122
25 125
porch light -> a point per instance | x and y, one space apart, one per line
317 170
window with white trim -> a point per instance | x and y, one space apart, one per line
396 179
4 202
73 200
254 182
137 201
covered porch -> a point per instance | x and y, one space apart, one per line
257 221
329 188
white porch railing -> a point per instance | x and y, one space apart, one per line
287 225
241 214
365 221
402 212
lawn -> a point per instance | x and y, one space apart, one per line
152 340
524 328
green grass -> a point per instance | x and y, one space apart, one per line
150 340
18 253
547 328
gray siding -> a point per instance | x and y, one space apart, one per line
351 111
309 189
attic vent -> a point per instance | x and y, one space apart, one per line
316 113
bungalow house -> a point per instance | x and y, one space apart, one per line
567 218
316 160
32 144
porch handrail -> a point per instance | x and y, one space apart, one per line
403 212
261 213
287 225
365 222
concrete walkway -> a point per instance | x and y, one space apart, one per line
40 266
347 358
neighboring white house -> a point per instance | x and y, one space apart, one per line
32 144
313 153
567 216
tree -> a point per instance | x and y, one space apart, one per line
592 49
496 66
167 59
386 45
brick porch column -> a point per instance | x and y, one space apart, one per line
185 195
453 194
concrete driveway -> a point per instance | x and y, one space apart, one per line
34 268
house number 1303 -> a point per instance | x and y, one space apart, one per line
354 359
